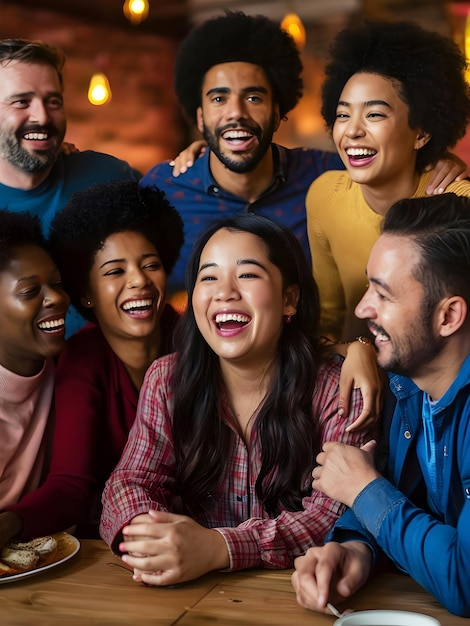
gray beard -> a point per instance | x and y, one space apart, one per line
11 151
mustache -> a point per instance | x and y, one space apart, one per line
50 129
377 330
253 129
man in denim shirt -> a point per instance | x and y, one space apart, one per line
417 512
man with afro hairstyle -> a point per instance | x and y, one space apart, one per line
237 76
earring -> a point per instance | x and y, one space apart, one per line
88 302
287 319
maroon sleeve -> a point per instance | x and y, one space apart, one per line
65 497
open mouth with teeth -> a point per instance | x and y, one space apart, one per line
359 154
231 321
136 308
238 138
379 334
36 136
52 326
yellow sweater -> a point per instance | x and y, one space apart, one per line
342 228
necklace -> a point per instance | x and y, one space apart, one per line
250 419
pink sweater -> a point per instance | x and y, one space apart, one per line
25 405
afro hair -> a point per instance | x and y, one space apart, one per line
18 229
80 229
428 67
239 37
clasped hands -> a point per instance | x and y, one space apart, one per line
165 548
333 572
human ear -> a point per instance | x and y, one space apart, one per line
291 300
422 139
452 315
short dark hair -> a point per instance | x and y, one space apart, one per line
18 229
80 229
429 68
27 51
239 37
440 228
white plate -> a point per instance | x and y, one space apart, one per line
67 547
386 618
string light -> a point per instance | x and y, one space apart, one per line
136 10
99 91
293 25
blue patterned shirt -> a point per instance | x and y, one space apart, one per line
200 201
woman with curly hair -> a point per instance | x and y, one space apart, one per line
115 243
395 99
32 333
216 473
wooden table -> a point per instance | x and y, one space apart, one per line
94 589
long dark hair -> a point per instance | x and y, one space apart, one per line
289 442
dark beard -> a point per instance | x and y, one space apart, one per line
243 164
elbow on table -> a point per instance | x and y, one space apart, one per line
459 604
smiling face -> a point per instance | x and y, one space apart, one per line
32 118
127 286
239 300
238 115
371 131
32 316
406 336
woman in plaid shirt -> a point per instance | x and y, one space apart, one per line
216 473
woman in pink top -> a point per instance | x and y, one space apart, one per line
115 245
32 333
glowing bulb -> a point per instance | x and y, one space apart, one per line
293 25
136 10
99 91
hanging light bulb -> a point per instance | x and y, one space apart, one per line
293 25
136 10
99 91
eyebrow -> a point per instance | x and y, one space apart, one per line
380 283
368 103
239 262
26 278
245 90
123 260
30 94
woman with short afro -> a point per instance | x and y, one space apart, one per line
395 100
115 244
